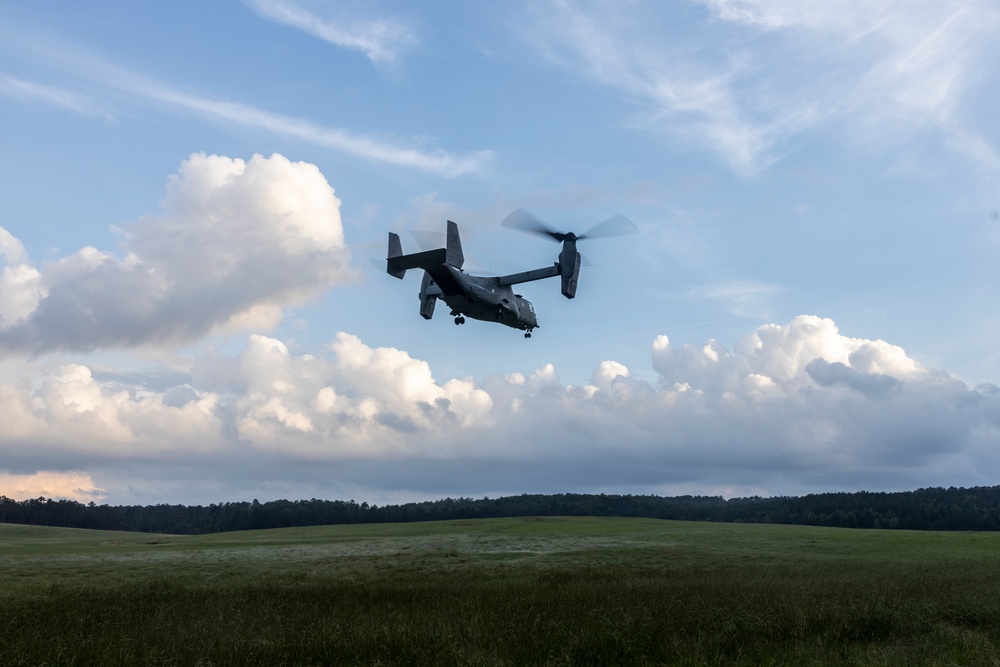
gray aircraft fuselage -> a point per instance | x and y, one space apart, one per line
479 297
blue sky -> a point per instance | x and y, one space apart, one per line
194 195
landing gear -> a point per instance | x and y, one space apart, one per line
527 334
459 320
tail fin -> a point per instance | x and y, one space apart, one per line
396 263
454 253
395 250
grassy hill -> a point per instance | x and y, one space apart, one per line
501 591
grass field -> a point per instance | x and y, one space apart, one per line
552 591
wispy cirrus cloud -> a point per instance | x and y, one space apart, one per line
922 58
32 92
436 161
670 89
382 40
746 298
137 86
780 68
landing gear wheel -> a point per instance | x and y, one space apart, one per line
459 320
527 334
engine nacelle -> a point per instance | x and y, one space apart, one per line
429 293
569 269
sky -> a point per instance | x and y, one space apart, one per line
196 200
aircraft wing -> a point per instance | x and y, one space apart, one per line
529 276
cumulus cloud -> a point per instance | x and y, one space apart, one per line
73 417
790 408
786 67
780 354
20 283
239 241
362 402
811 403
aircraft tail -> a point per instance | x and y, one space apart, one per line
396 263
454 254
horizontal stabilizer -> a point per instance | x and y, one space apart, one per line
427 260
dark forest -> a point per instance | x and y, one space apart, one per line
936 508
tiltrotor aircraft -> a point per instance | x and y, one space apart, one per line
491 299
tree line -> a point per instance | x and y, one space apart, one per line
937 508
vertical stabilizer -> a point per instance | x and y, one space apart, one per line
395 250
454 255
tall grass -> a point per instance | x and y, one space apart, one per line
657 593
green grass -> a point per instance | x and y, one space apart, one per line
554 591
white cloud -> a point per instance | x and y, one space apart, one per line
381 40
790 408
783 355
607 372
783 67
11 250
20 283
238 242
362 402
50 484
74 417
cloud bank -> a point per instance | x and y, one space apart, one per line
790 408
238 241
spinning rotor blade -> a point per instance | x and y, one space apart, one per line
616 225
526 222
